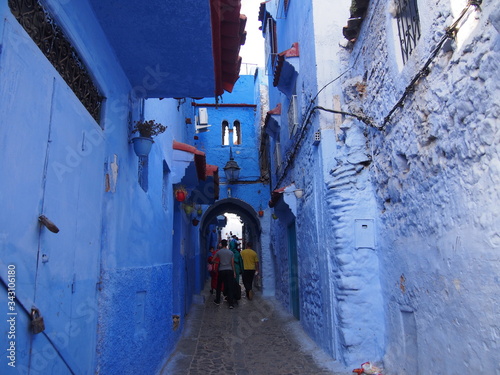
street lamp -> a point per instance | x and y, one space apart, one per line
232 169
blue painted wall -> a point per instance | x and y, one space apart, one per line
397 221
104 283
245 154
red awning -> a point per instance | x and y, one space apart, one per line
291 52
199 158
228 35
276 195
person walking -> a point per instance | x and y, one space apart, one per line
226 273
238 262
213 268
250 268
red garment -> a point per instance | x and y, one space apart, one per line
214 273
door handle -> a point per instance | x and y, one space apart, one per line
48 224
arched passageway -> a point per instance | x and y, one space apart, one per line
251 230
251 223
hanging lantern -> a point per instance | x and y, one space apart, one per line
188 209
180 194
261 211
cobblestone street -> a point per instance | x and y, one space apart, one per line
257 337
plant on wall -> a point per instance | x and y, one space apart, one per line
149 129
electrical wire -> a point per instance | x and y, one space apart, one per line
424 71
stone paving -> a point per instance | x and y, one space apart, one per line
255 338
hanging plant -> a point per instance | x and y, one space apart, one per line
274 216
199 210
148 129
180 194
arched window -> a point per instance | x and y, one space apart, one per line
225 133
236 133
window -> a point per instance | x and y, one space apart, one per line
231 135
57 48
293 116
143 172
236 133
273 41
225 133
408 26
277 157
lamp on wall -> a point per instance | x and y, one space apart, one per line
232 169
298 193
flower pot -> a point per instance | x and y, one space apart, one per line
261 213
195 222
142 145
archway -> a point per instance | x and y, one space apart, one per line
236 206
252 228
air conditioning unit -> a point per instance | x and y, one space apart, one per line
202 116
201 124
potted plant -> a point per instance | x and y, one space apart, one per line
147 130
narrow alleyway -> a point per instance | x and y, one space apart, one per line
255 338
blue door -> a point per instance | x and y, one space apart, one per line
51 163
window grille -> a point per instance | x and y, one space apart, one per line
51 40
408 26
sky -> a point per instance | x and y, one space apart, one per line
252 52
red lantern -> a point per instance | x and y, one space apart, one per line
180 195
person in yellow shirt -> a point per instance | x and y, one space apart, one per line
250 268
